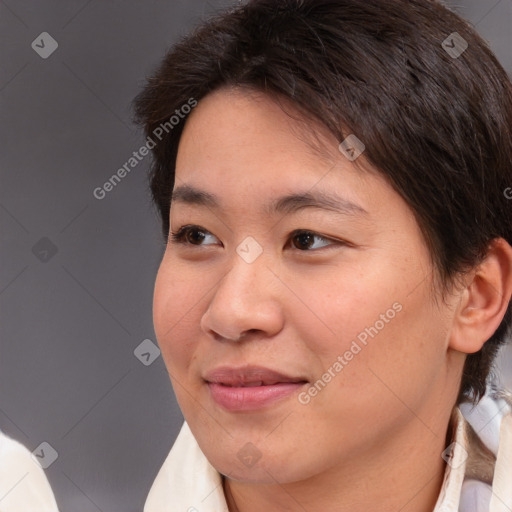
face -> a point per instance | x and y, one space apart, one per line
333 297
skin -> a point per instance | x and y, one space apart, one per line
381 423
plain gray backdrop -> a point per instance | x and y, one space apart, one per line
77 273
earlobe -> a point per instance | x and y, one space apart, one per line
484 300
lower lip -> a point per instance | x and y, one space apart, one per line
251 398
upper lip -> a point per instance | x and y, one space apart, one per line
246 375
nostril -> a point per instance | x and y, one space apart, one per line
246 333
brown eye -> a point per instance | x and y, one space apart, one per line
303 240
191 235
194 236
306 240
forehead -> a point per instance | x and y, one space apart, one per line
244 130
240 147
272 125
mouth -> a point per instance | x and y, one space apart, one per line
255 384
250 388
250 376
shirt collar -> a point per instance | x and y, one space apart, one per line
188 482
455 455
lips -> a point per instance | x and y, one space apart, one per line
249 376
250 389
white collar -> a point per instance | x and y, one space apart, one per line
456 458
187 482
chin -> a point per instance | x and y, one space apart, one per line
278 465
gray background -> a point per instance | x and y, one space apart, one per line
70 321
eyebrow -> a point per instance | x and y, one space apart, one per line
287 204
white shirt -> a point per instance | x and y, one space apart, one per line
23 484
187 482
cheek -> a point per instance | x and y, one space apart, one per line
391 359
383 326
177 302
336 307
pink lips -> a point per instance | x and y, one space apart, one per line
250 388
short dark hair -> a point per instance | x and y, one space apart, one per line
436 124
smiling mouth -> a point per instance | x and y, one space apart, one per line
250 388
259 383
250 376
252 396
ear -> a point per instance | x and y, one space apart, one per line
484 300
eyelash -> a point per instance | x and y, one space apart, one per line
179 237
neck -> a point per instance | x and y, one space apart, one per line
404 472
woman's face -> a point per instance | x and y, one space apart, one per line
341 309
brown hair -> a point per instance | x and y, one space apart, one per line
435 124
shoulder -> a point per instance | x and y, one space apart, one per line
23 483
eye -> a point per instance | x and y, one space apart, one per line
300 239
305 240
192 235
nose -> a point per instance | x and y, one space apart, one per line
245 301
